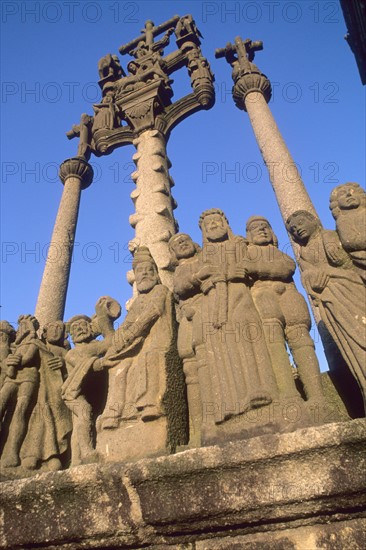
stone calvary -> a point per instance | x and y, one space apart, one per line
215 347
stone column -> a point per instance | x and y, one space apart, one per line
76 174
153 220
251 93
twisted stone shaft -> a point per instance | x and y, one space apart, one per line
153 220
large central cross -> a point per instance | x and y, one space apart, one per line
135 108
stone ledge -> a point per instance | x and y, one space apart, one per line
255 490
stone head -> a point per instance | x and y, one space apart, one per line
80 329
132 67
7 332
27 325
145 270
54 332
214 225
260 232
302 225
182 247
347 196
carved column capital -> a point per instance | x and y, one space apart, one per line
253 81
76 167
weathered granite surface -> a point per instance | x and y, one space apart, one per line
304 489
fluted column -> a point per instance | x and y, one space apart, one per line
76 174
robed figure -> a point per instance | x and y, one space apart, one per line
240 374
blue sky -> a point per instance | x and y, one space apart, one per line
49 56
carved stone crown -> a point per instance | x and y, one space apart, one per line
76 167
253 81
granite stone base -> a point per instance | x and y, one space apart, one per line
298 490
133 440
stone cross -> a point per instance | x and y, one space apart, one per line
251 93
141 100
149 33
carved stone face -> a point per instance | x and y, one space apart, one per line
54 332
261 232
4 337
216 228
80 331
25 327
348 197
302 227
183 247
146 276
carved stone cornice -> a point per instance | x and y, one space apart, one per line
76 167
140 107
253 81
105 141
183 108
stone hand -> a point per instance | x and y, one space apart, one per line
207 271
13 360
55 363
336 254
98 365
240 271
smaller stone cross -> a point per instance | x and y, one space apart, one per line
244 49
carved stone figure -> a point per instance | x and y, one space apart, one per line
239 373
105 113
187 261
7 336
330 279
348 206
186 27
19 391
83 130
283 310
145 376
47 442
82 362
110 66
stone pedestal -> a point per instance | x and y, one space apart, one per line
302 490
76 174
133 440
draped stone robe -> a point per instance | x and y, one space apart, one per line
240 371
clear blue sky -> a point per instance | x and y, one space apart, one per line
49 57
